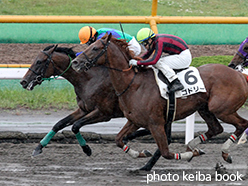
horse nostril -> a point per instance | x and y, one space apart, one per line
23 83
74 62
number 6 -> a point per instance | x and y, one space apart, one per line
190 79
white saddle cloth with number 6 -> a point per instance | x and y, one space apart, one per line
190 78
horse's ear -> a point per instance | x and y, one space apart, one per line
109 37
245 47
54 48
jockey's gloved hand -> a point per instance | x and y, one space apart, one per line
133 62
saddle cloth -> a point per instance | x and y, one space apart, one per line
190 78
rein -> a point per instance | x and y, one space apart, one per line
55 77
40 77
90 63
128 86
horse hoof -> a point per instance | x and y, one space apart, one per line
145 154
196 152
87 150
37 151
229 159
201 152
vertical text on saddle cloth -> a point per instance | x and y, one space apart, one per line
191 80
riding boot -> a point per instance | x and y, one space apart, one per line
175 86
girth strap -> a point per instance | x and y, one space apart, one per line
170 115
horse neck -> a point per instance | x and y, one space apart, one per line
62 64
120 80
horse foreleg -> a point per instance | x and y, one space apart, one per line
67 121
92 117
129 128
148 166
136 134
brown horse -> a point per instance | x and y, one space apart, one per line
96 98
142 105
241 57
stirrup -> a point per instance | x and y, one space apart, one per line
176 86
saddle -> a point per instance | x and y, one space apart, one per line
192 82
189 77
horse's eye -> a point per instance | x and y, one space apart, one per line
38 62
95 48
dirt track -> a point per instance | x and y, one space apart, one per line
26 53
66 164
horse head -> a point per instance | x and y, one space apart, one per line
44 66
95 54
241 57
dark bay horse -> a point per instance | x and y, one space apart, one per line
96 98
241 57
142 105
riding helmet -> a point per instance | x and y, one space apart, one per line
86 33
144 34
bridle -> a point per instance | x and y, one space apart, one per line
41 76
92 62
245 59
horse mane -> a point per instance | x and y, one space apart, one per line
122 45
65 50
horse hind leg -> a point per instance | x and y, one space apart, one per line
214 128
240 124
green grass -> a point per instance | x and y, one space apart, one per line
58 94
125 7
199 61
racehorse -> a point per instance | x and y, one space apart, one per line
142 105
96 99
241 57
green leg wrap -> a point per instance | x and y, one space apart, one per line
47 138
80 139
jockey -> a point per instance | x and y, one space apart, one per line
89 35
179 56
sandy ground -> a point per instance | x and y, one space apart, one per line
66 164
26 53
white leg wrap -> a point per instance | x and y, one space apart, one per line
183 156
228 143
196 141
132 153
